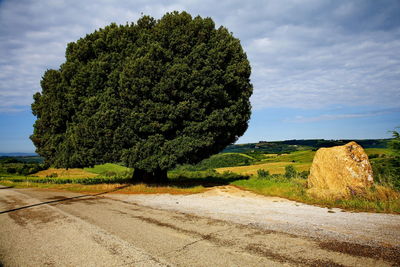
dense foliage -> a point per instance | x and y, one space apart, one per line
394 144
152 94
16 167
386 167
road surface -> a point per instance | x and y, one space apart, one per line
222 227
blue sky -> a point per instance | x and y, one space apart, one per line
320 69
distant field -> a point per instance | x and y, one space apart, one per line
272 167
234 162
64 173
378 151
108 167
276 163
189 179
240 154
298 157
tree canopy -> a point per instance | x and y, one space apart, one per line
151 94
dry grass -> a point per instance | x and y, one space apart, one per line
383 193
272 167
272 155
64 173
112 188
376 199
375 193
146 189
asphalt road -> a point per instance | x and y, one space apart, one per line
49 228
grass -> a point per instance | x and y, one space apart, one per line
291 189
207 178
179 183
240 154
377 199
378 151
275 163
107 168
114 187
104 170
297 156
66 180
64 173
113 177
272 167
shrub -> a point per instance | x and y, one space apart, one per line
24 170
109 173
11 170
290 172
218 161
263 173
386 172
304 174
10 160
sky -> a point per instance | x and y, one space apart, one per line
320 69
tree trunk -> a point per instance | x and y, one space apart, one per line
143 176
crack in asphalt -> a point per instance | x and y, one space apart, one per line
204 237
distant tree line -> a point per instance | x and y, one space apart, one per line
280 147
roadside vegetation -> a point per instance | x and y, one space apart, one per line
271 174
294 187
11 166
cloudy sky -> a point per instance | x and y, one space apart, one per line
320 69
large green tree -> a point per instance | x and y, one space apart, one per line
152 94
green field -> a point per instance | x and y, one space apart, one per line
240 169
297 156
378 151
241 163
108 169
272 167
275 163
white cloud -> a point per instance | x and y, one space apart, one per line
307 72
330 117
14 109
307 54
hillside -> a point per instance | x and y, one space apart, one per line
296 145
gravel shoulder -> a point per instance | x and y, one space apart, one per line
273 213
224 226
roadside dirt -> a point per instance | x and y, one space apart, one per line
273 213
222 227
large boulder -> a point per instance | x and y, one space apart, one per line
340 171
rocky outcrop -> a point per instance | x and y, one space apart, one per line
340 171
